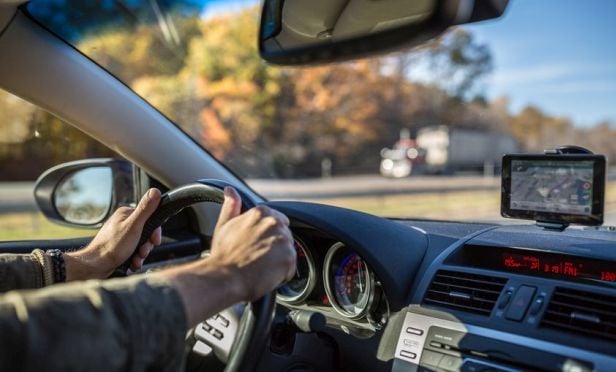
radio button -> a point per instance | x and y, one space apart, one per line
411 343
430 358
450 363
414 331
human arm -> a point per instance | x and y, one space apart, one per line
111 246
139 323
19 271
128 324
251 254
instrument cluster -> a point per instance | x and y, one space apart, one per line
334 276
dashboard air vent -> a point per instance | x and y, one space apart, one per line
585 313
464 292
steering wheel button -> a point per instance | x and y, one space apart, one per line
217 334
206 326
202 348
222 320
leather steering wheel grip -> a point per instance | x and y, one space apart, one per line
257 319
174 201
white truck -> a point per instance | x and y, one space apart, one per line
449 149
444 149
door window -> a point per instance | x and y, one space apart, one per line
32 141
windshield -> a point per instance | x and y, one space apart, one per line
418 133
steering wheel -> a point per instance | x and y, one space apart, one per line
256 320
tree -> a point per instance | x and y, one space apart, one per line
266 121
459 61
15 118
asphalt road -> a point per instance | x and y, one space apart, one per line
16 197
369 185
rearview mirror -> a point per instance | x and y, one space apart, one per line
84 193
294 32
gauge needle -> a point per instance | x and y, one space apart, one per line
361 274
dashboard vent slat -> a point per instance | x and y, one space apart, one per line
464 287
584 313
464 291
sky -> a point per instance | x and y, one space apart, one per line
559 55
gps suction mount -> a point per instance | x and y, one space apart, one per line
561 150
567 149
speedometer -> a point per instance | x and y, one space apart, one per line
348 281
299 287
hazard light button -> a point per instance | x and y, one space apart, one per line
521 301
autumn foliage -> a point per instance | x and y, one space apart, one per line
266 121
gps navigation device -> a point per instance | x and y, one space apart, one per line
554 188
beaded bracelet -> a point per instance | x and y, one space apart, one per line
59 268
46 264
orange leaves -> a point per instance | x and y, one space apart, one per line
214 136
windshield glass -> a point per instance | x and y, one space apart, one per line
418 133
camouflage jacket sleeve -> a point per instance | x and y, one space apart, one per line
128 324
19 271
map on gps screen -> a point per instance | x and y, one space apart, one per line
552 186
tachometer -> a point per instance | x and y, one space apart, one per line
301 284
348 281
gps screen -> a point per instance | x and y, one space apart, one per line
552 186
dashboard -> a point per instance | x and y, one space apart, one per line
445 296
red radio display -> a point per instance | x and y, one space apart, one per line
558 266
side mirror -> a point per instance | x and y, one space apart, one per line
84 193
295 32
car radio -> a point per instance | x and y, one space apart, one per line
432 343
536 262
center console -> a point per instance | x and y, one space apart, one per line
428 342
520 298
528 305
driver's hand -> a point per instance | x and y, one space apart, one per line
252 254
256 245
115 242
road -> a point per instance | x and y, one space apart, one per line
369 185
15 197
